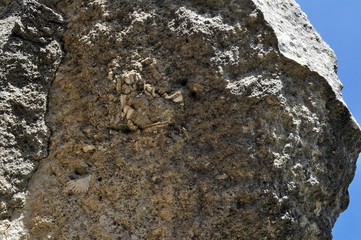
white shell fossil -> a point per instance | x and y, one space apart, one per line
118 84
131 77
88 148
176 97
78 186
128 112
150 90
123 101
131 126
157 125
110 75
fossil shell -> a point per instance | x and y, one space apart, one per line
123 100
131 77
88 148
157 125
175 97
132 126
78 186
178 99
110 75
128 112
150 90
118 84
129 80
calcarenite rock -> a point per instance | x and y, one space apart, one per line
170 120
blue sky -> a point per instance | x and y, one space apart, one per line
339 23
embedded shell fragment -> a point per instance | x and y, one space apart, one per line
78 186
176 97
150 90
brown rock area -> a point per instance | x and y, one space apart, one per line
172 120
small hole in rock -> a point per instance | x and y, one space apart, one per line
239 205
126 131
193 95
184 82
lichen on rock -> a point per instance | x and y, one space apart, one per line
182 120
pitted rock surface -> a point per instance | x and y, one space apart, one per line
171 120
30 53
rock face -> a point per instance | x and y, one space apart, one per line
170 120
30 53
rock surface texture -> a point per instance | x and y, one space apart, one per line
30 52
192 119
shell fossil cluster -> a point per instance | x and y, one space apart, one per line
130 85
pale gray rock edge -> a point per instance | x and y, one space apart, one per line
29 56
299 41
30 53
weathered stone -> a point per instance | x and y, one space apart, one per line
29 56
170 120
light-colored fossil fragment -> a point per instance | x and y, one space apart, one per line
131 126
78 186
88 148
110 75
157 125
118 118
155 72
128 112
222 176
127 78
150 90
131 77
128 89
118 84
176 97
4 226
147 61
184 130
123 101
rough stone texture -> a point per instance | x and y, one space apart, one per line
29 56
297 39
170 119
